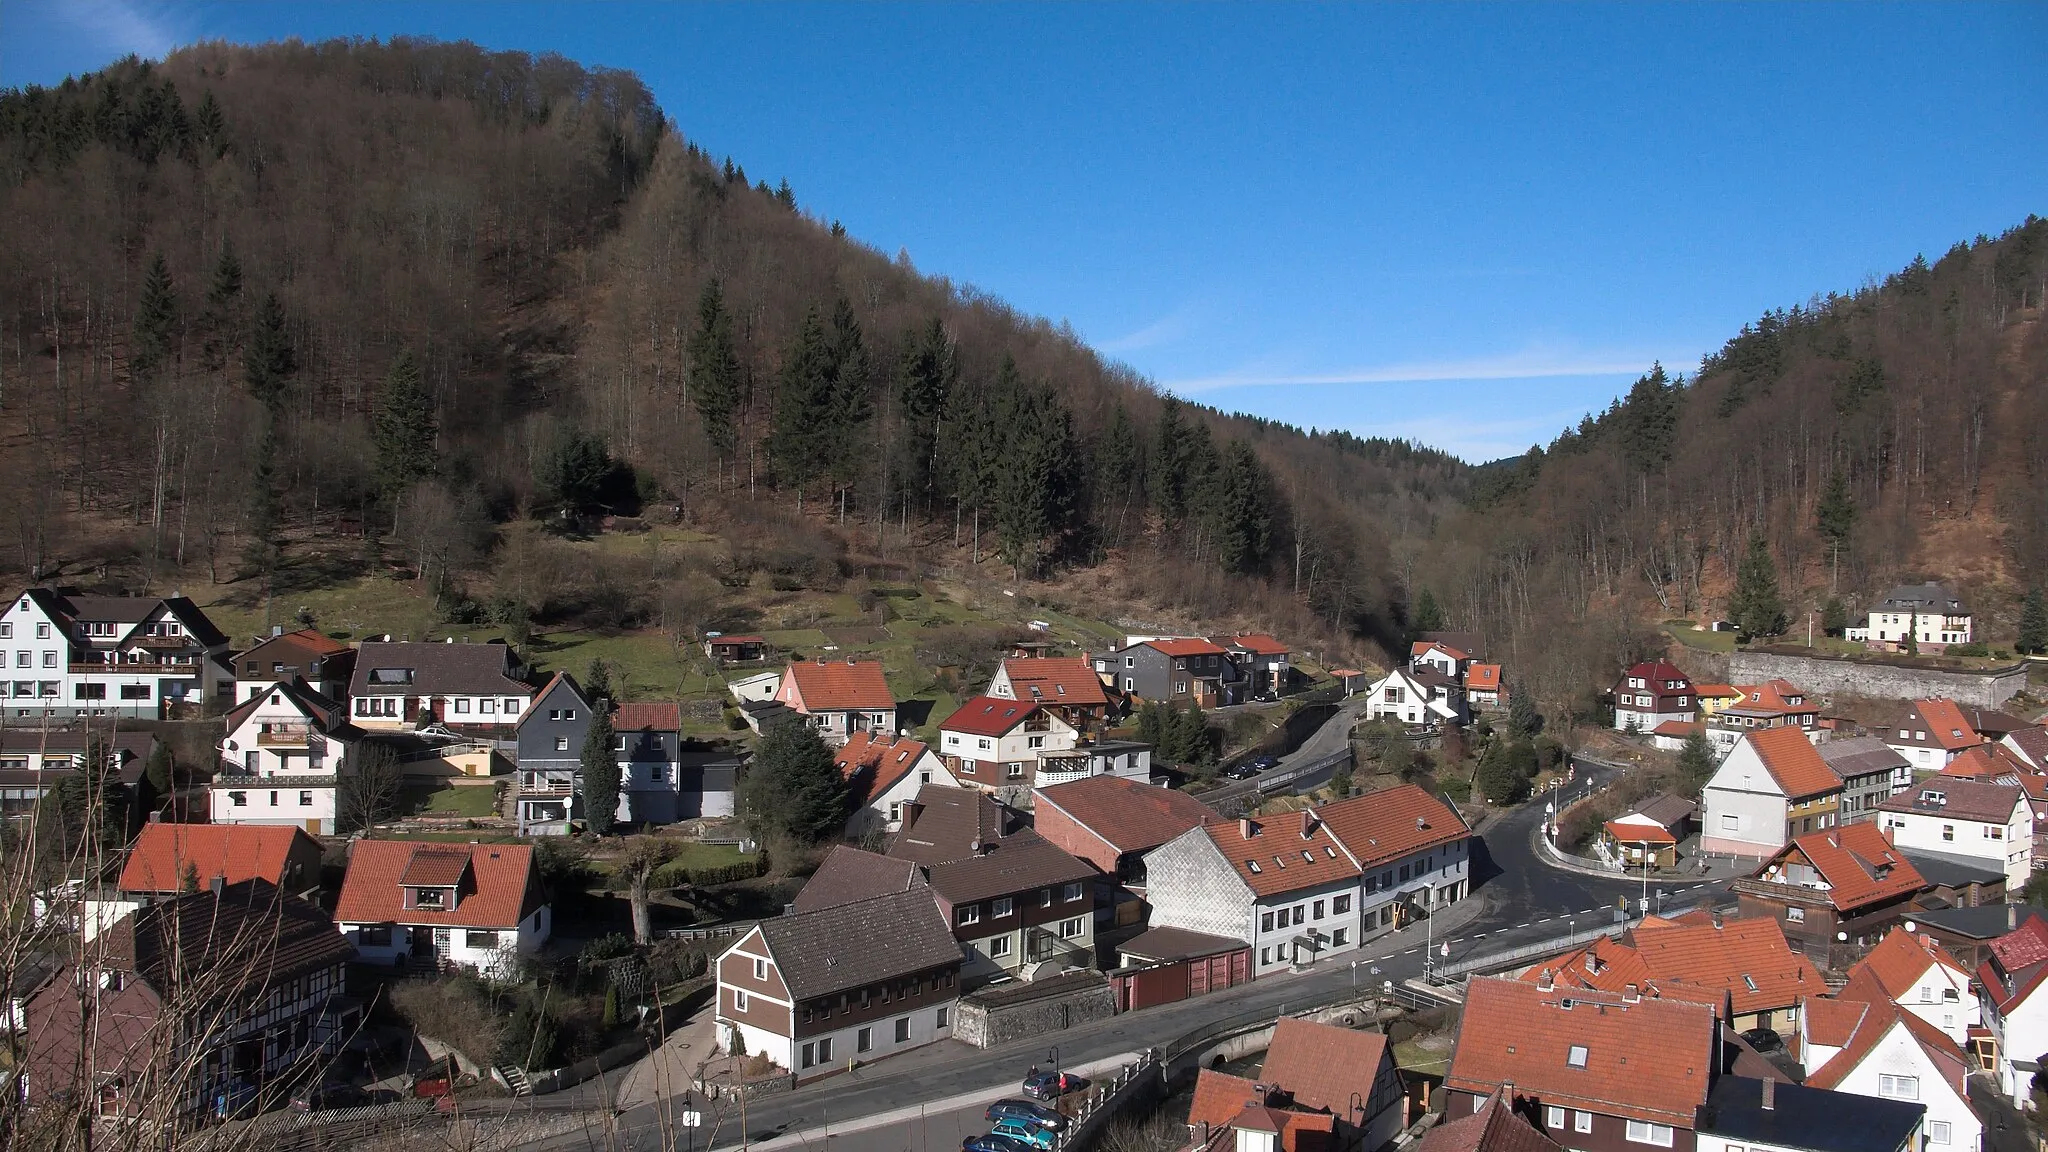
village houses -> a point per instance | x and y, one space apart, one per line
471 689
1919 975
1773 785
1863 1044
1989 823
1417 696
840 697
443 906
1172 670
323 663
282 760
99 656
883 773
1066 685
1930 734
1847 884
1932 614
991 743
1651 693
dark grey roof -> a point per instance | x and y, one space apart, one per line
135 609
1984 922
1991 724
855 945
1015 863
947 823
1668 809
1176 944
1861 756
1812 1119
261 934
1960 799
850 875
419 668
1928 597
1427 676
1470 643
1945 870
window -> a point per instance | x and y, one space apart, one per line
480 939
42 631
305 799
999 907
1643 1132
1576 1056
1265 955
970 914
1017 770
1318 913
1948 831
1340 937
739 1000
50 659
512 706
1071 891
902 1029
1993 833
6 631
1266 922
1339 905
825 1051
1899 1087
488 707
810 1054
1582 1121
999 947
1730 822
864 1040
131 691
561 743
1937 1131
89 692
462 707
238 799
1795 915
760 968
940 1019
1553 1117
1069 929
1252 864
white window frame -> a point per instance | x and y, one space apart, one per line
1644 1132
739 999
1898 1087
1582 1121
999 946
1553 1117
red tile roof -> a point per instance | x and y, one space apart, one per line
1715 691
1793 761
1271 855
503 890
988 716
874 764
1496 1127
1678 728
1881 1016
1127 815
1775 696
1747 960
1186 646
1638 833
1058 680
1656 672
237 852
1856 861
1900 959
1322 1065
1484 677
1980 762
656 717
1946 724
839 685
1344 838
435 866
1422 647
1648 1059
2023 946
1257 642
1394 822
1219 1097
1832 1023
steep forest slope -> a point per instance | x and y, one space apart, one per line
276 315
1897 432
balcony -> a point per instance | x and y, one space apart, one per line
143 668
543 788
171 643
287 738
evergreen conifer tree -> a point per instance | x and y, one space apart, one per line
1696 761
223 303
1245 512
714 385
925 387
598 772
1168 481
1429 617
1835 516
1756 606
1034 487
792 790
156 320
802 436
1524 720
1834 617
269 363
2033 635
404 429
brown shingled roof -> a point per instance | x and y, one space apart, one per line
1322 1065
1960 799
1125 814
849 875
855 945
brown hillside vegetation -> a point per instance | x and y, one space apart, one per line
278 315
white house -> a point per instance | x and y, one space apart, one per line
990 742
309 655
1930 734
1650 693
1890 1054
1318 882
1919 975
2010 986
1447 660
109 656
443 906
470 688
1418 697
282 760
1772 786
841 697
883 773
1932 614
1990 823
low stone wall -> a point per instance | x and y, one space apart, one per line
1013 1013
1879 678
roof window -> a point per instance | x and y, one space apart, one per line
1252 864
1749 981
1576 1056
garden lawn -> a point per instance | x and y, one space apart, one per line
474 800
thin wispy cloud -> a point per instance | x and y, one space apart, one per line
123 26
1533 364
1164 330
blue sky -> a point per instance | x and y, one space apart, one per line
1462 224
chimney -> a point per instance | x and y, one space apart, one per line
1717 919
277 629
1308 823
1247 828
1631 993
1545 981
2012 917
1770 1094
218 883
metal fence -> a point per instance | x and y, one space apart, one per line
1494 961
1275 780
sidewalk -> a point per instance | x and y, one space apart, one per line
1719 868
669 1069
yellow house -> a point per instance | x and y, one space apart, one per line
1714 697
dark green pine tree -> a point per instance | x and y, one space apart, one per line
852 403
1245 514
222 321
786 196
404 429
1835 516
265 544
981 428
1168 482
1696 761
1429 616
597 772
1119 467
268 363
1035 485
2033 634
1834 617
1756 606
156 321
924 388
1524 719
1649 421
792 791
800 441
715 371
210 126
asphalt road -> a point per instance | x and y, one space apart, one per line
929 1099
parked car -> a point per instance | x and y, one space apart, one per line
989 1142
1024 1132
1243 771
1028 1111
321 1097
1052 1086
1262 763
1763 1039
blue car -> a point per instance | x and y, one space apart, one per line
1024 1132
1027 1111
988 1142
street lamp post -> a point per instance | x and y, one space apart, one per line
1059 1082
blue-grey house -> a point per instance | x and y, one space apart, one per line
550 744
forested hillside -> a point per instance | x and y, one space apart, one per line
1899 431
274 315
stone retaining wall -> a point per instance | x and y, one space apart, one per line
1882 680
998 1019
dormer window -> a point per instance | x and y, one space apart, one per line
432 899
1576 1056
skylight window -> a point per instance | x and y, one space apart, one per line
1576 1056
1252 864
1749 981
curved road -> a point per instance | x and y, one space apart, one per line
1521 900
